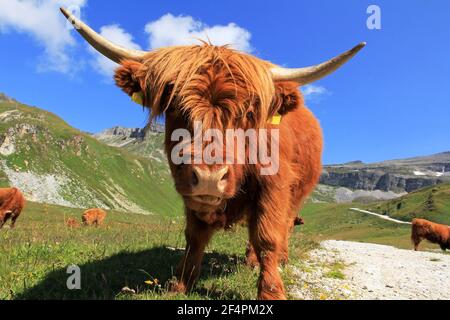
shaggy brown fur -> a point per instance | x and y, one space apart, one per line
93 217
433 232
11 204
194 78
227 89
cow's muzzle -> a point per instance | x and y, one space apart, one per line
208 185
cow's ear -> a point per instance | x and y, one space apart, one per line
129 77
287 97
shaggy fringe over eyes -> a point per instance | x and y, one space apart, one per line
234 80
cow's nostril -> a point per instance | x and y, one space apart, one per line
225 177
194 178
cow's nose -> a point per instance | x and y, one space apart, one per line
206 181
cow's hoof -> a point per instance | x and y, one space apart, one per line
270 295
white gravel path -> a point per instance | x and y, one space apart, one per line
380 216
373 272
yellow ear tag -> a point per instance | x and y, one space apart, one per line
276 119
138 97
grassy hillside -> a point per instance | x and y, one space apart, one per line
55 163
432 203
131 248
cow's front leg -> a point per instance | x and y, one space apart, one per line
267 236
13 220
4 218
284 252
251 259
283 255
270 285
198 234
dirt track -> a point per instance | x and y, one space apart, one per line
372 271
380 216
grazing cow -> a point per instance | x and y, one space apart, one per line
72 223
228 91
93 217
433 232
12 202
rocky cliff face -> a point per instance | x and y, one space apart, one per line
379 180
123 133
146 142
118 131
393 175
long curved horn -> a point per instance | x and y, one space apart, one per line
310 74
110 50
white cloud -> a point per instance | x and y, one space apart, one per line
42 20
118 36
184 30
169 31
313 92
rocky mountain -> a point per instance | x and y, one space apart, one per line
51 162
403 175
337 194
147 142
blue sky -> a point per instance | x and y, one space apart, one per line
391 101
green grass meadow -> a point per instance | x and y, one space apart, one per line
126 251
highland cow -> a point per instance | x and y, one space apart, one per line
93 217
433 232
11 204
226 90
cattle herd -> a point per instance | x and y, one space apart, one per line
12 203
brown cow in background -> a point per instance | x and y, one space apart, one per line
433 232
11 204
228 90
93 217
